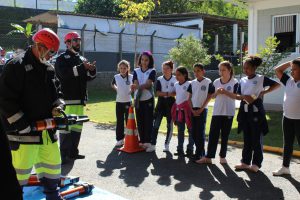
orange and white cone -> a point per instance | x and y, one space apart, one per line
131 144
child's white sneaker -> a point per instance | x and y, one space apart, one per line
150 149
282 171
120 143
166 149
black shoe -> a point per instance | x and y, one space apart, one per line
179 153
189 153
195 157
78 157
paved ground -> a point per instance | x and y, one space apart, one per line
164 176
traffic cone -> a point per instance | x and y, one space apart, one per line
131 144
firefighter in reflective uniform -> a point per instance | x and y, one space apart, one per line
73 72
30 91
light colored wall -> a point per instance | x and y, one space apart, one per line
64 5
265 20
253 19
263 29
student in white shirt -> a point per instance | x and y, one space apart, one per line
251 116
223 113
181 111
200 93
143 78
165 91
121 83
291 111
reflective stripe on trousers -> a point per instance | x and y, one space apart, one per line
45 158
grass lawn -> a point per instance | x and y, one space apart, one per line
101 109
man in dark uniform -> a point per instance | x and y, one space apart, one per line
29 92
73 71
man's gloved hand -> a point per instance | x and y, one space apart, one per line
56 111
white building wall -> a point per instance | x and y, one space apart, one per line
260 27
63 5
108 41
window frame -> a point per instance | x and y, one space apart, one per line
297 49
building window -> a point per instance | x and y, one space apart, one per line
285 29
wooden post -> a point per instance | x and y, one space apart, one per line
151 41
82 39
120 44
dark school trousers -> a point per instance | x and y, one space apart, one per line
253 142
156 125
291 128
144 118
198 132
122 116
180 135
219 125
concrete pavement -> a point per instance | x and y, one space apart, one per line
160 175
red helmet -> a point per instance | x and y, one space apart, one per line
47 37
72 36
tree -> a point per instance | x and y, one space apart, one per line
234 8
99 7
270 56
27 31
173 6
132 12
189 51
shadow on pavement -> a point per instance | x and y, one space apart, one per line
208 178
135 166
293 181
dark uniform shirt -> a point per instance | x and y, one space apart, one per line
29 90
73 76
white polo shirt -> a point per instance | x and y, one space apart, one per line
142 77
181 92
253 86
200 91
165 85
224 105
123 87
291 100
